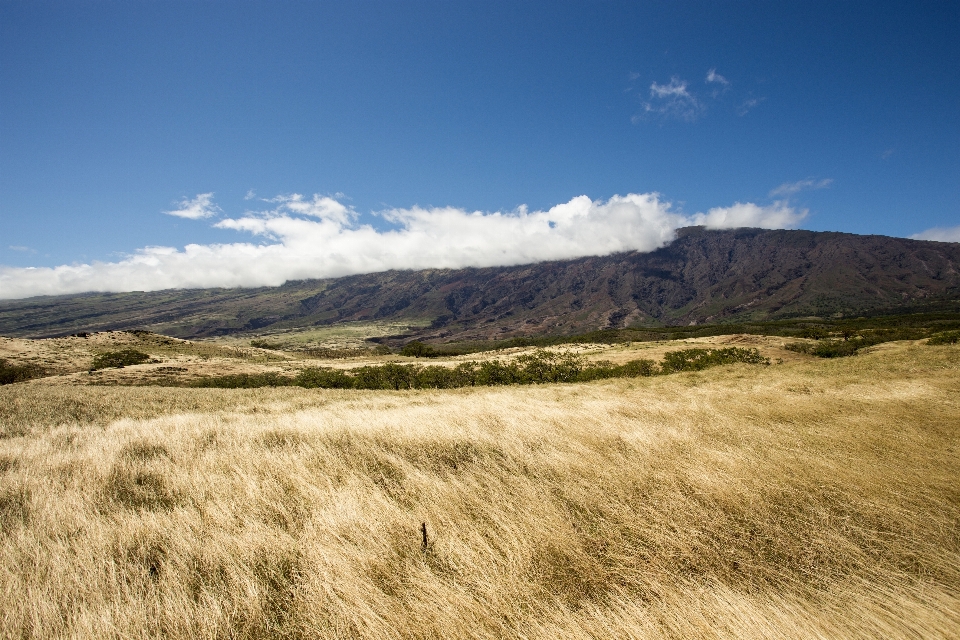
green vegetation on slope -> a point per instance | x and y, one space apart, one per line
121 358
948 337
836 337
12 372
536 368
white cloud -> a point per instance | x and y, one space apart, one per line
713 76
320 237
672 100
790 188
779 215
200 207
940 234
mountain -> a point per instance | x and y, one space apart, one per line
703 276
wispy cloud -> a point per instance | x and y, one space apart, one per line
713 76
720 84
677 100
788 189
673 100
200 207
940 234
21 248
886 154
320 237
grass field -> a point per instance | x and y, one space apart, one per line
807 499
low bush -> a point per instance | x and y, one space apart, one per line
698 359
851 342
331 353
418 349
121 358
323 378
244 381
263 344
828 348
538 367
948 337
10 372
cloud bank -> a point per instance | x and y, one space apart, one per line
320 237
940 234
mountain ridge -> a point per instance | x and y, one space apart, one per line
702 276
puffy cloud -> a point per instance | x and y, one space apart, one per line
320 237
790 188
200 207
940 234
746 214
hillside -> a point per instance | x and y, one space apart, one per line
703 276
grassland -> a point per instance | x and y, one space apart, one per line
809 499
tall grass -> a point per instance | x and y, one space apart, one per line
814 499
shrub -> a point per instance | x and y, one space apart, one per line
263 344
121 358
799 347
698 359
813 332
495 373
838 348
244 381
948 337
638 368
538 367
323 378
546 366
418 349
10 373
385 376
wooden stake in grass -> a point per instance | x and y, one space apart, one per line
423 530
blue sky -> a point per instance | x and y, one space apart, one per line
113 113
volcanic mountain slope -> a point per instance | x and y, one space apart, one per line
703 276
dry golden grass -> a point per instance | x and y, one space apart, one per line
810 499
